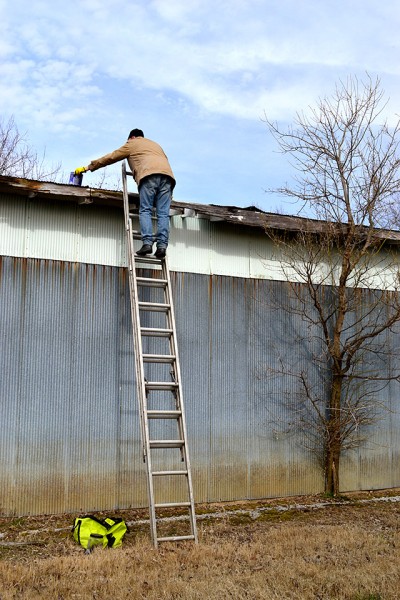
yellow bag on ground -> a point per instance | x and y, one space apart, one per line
89 531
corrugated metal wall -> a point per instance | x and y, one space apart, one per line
88 233
61 231
70 430
67 413
93 234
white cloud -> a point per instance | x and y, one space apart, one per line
67 69
228 58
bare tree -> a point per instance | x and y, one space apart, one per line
106 181
18 158
342 269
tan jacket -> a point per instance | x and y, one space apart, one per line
144 157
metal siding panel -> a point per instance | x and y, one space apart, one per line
229 253
51 231
67 390
375 465
87 233
61 231
193 324
280 466
12 226
102 236
263 262
70 435
225 334
393 439
90 234
189 249
229 387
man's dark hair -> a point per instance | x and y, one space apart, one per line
136 133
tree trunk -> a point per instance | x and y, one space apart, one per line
333 442
332 471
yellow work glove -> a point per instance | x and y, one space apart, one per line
80 170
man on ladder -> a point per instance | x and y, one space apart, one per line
157 367
155 180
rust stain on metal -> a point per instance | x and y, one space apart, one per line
30 184
24 270
94 275
123 275
48 495
210 290
104 272
37 266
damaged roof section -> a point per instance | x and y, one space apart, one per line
247 217
250 217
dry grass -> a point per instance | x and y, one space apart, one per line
348 552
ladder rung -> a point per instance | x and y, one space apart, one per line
159 358
161 385
154 306
176 538
166 443
147 259
156 332
163 414
172 212
136 214
162 473
136 235
172 504
150 282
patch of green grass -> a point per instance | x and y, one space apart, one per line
279 515
240 519
207 510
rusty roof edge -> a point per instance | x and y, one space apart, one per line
59 191
248 217
85 195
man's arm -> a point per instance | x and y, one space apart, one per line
109 159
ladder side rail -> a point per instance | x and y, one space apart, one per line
140 377
182 419
133 296
125 195
135 317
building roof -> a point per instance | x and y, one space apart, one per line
247 217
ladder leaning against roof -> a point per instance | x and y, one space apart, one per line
158 383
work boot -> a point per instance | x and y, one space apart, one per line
145 249
160 252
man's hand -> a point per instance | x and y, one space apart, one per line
80 170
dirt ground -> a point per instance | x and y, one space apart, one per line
297 548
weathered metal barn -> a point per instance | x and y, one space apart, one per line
70 426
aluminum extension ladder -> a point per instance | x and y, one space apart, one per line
159 388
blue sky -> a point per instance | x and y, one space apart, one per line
197 76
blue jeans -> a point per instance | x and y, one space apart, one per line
155 192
